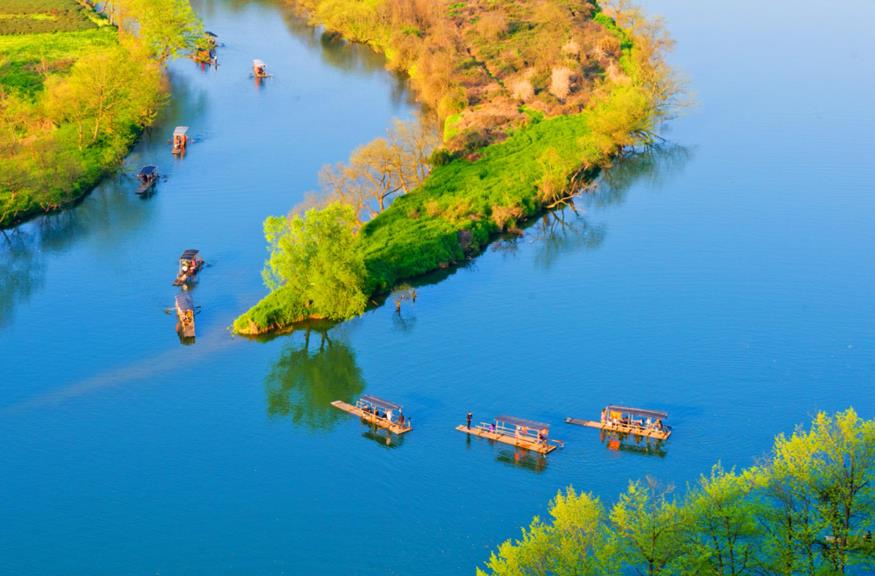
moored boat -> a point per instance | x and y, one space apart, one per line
185 315
190 264
378 412
147 177
626 420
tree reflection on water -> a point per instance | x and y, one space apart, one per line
21 268
570 228
309 375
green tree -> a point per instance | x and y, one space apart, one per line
721 524
648 528
575 542
317 259
107 91
844 479
789 513
167 28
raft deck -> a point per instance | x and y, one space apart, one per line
370 417
622 428
520 442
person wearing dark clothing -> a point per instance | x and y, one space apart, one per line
469 420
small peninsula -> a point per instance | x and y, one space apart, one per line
524 102
77 87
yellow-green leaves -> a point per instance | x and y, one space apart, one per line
316 260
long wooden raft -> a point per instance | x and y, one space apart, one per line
370 417
622 428
484 432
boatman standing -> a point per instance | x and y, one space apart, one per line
469 420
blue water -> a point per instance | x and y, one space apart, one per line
727 279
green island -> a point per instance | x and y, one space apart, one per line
807 508
524 103
77 87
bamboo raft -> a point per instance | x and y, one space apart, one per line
517 432
372 418
185 314
482 431
621 420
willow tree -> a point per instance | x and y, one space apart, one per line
315 258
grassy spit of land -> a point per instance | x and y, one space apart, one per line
75 92
532 99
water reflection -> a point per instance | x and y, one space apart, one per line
313 371
653 167
525 459
383 437
22 270
351 58
633 444
570 229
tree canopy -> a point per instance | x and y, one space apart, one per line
809 509
316 259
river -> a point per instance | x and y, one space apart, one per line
727 279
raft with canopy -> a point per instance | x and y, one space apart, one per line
627 420
519 432
378 412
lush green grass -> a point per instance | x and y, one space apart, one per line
42 16
465 203
429 228
47 160
24 57
455 214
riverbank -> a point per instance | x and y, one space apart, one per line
75 93
488 176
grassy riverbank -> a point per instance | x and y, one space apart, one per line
489 175
75 92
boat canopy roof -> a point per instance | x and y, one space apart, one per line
148 170
514 421
639 412
380 403
208 33
180 131
189 254
258 63
183 302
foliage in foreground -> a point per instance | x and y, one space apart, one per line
808 509
72 103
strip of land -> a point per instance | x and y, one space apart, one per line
76 91
533 99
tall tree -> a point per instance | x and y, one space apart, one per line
721 525
317 258
845 484
575 542
648 528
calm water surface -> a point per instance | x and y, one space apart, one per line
727 279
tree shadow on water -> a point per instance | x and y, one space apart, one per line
312 371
